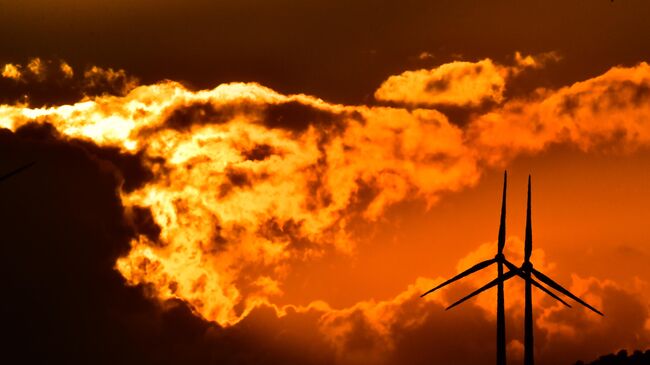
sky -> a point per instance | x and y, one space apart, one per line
264 182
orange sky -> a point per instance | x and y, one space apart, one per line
262 199
588 215
253 202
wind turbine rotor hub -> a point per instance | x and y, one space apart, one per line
500 257
527 266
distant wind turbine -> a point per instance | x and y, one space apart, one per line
500 260
16 171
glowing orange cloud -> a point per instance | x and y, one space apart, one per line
458 83
233 194
609 109
11 71
247 181
60 75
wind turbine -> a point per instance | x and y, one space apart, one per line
526 272
16 171
500 260
528 269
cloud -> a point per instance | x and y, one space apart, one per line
537 61
607 111
212 196
42 82
11 71
244 182
577 332
36 70
70 289
410 330
97 80
247 180
459 83
455 83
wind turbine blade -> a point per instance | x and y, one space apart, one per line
528 243
502 224
515 269
543 288
485 287
471 270
522 275
548 281
510 265
16 171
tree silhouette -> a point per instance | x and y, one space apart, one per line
621 358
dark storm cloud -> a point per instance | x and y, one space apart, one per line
339 50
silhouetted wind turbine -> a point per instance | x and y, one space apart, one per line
527 272
500 260
528 269
16 171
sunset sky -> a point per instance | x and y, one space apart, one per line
276 182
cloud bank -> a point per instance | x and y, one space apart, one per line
222 191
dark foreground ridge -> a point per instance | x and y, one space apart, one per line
621 358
